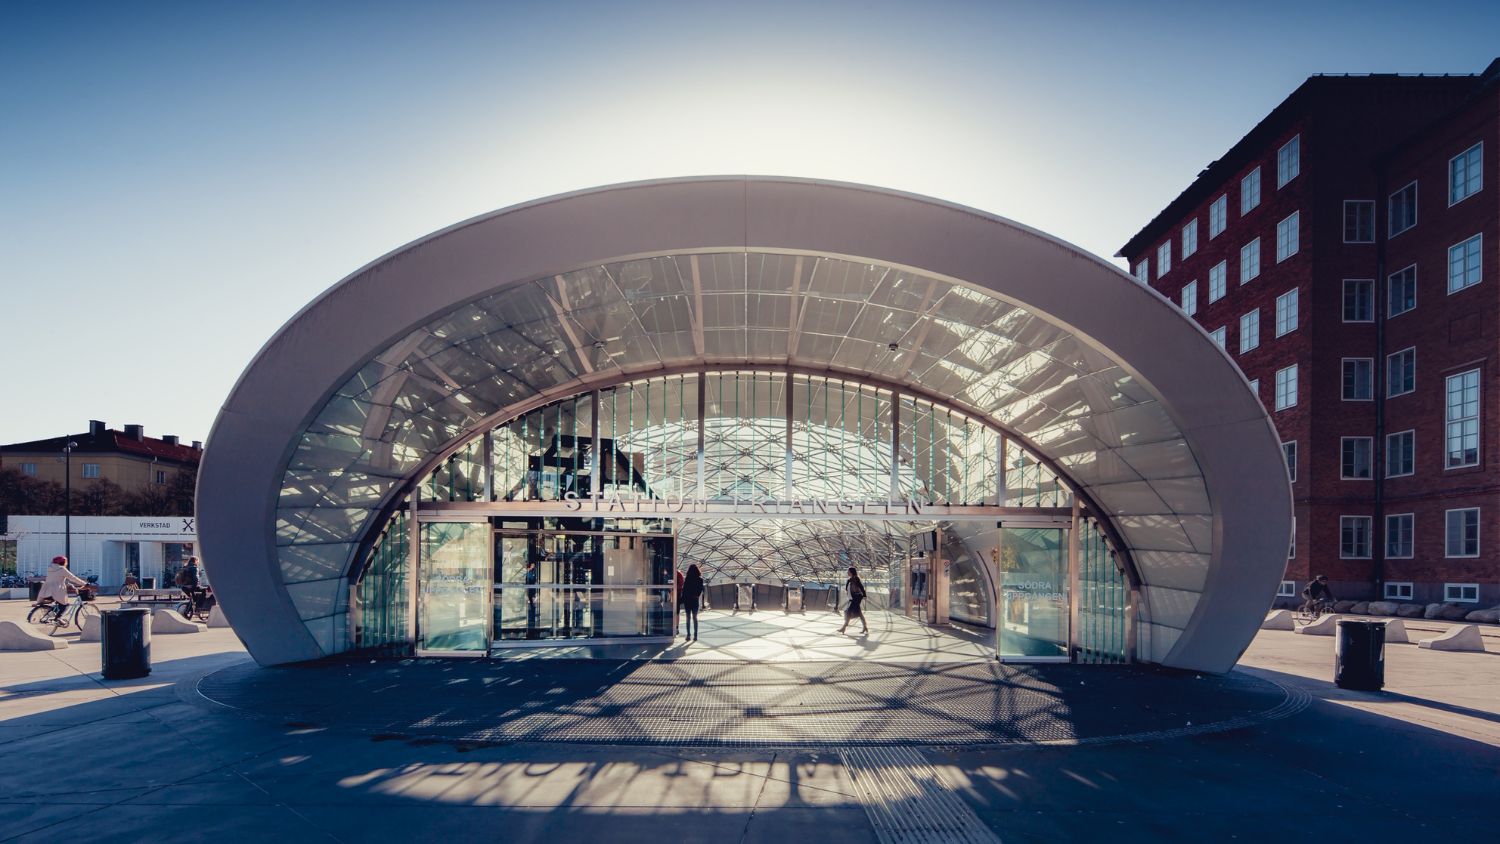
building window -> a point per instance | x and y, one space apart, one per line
1401 373
1255 387
1218 336
1286 387
1462 533
1354 458
1289 451
1400 454
1401 209
1190 297
1250 261
1466 173
1461 593
161 477
1401 292
1287 237
1163 259
91 470
1464 264
1463 420
1359 379
1216 277
1286 312
1287 589
1398 591
1359 221
1354 537
1359 300
1249 191
1249 331
1291 546
28 469
1398 535
1190 238
1289 161
1216 214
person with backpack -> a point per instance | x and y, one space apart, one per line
856 589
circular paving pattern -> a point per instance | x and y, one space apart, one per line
699 703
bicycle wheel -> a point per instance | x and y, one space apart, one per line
126 593
59 624
37 615
85 610
185 609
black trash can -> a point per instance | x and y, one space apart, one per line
148 583
1359 655
35 588
126 639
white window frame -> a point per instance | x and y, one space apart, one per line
1343 370
28 469
1218 212
1289 457
1449 421
1448 533
1370 203
1450 598
1189 238
1287 589
1286 387
1411 536
1411 435
1369 284
1391 382
1289 161
1164 259
1289 236
1250 331
1390 219
1291 551
1189 300
1475 152
1369 537
1142 271
1369 458
1402 590
1255 387
1390 311
1286 312
90 470
1221 270
1218 335
1248 252
1250 192
1478 242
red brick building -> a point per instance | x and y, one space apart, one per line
1346 254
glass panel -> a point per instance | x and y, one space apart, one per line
1033 593
454 590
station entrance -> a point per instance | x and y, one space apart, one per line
569 524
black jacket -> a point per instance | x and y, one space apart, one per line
692 590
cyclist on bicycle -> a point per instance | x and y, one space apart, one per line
1317 593
55 587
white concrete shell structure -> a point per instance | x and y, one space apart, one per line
369 386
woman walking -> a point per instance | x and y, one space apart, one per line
856 589
692 596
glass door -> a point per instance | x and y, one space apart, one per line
453 589
1033 613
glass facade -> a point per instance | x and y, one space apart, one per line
1103 599
1034 595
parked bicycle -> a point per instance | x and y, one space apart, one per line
130 588
46 611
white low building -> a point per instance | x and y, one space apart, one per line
108 546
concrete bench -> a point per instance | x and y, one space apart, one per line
171 621
93 627
14 637
1464 637
1324 626
216 617
1395 632
1279 620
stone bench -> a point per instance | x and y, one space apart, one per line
171 621
1324 626
1464 637
14 637
1278 620
216 617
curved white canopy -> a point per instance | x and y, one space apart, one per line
362 390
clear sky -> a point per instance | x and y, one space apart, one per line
177 180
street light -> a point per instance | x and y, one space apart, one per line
68 500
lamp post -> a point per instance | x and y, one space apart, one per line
68 500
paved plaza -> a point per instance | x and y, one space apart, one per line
773 729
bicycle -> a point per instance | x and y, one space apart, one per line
46 611
1311 611
197 602
129 589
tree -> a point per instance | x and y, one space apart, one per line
182 491
23 495
103 497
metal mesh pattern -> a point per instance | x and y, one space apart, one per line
707 703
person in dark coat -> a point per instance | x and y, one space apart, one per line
692 597
856 590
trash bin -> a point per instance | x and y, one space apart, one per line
1359 655
148 583
125 636
34 587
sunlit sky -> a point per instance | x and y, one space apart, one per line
177 180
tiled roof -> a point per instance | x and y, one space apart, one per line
111 442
